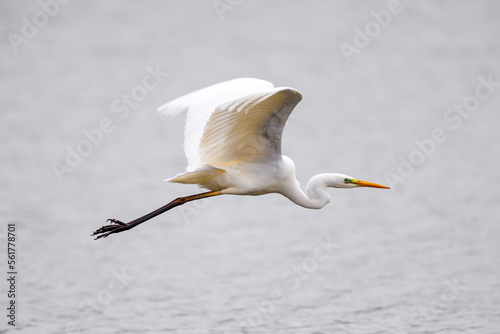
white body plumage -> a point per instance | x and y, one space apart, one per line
233 142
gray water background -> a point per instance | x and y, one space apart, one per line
208 267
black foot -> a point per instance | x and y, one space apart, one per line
119 222
106 230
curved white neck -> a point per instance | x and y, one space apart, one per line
315 196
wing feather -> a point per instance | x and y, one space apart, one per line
199 106
248 128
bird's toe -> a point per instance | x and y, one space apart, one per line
116 221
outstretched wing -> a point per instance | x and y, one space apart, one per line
200 104
248 128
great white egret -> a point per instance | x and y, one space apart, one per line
233 146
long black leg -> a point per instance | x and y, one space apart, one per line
119 226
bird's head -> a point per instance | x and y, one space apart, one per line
346 181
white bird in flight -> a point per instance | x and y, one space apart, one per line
233 146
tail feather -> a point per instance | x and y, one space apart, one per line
202 176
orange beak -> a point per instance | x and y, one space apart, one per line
369 184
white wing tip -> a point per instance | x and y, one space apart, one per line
169 109
182 103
